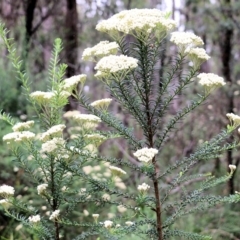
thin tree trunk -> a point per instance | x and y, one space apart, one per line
29 16
71 43
225 42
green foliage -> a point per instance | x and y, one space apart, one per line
60 165
14 58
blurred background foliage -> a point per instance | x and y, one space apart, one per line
34 24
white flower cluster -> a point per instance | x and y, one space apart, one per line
199 53
129 223
22 126
87 121
42 188
185 40
70 83
119 183
197 56
138 22
145 154
95 138
108 224
143 188
117 171
62 94
101 104
232 167
52 145
121 208
34 219
6 191
187 43
55 131
210 81
54 215
234 120
102 49
115 65
18 137
70 114
5 203
42 97
95 216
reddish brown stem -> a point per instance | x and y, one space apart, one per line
158 203
56 230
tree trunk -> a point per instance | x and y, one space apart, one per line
71 43
225 43
29 16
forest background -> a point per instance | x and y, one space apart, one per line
34 24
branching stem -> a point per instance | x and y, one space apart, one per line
150 134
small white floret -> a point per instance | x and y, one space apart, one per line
6 191
117 171
102 49
129 223
108 224
232 167
22 126
42 188
54 215
143 188
34 219
145 154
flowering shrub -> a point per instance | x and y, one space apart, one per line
58 161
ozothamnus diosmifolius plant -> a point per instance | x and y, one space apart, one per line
60 160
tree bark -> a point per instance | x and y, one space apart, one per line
225 43
71 37
29 16
71 43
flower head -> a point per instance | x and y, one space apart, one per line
121 208
6 191
234 120
62 94
117 66
129 223
101 105
108 224
19 127
197 56
95 216
185 40
102 49
117 171
55 131
87 121
34 219
18 137
140 23
210 81
42 97
143 188
70 83
52 145
5 203
54 216
146 154
42 188
232 168
70 114
95 138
